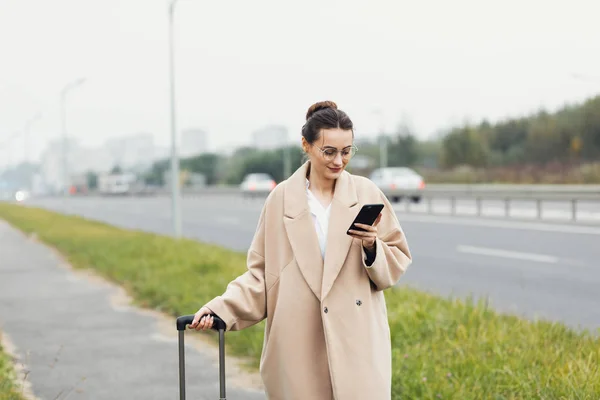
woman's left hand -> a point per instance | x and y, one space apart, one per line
368 237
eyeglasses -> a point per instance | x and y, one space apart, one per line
330 153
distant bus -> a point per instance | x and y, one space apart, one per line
116 183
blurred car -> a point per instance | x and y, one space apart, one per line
399 182
257 183
22 195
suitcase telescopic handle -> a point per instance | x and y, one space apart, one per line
185 320
218 325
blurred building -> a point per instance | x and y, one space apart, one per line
131 151
270 137
162 152
127 152
79 160
52 166
193 142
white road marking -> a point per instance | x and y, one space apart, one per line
486 251
507 224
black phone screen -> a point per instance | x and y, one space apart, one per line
367 215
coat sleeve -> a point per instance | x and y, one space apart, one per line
392 255
244 301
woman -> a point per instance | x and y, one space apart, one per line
321 289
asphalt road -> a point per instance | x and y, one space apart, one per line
533 269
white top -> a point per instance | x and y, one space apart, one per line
320 216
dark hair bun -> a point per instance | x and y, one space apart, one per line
321 105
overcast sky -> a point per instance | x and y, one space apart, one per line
244 64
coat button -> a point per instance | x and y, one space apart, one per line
325 310
358 302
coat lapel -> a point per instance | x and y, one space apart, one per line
301 230
344 209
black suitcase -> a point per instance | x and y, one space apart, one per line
219 325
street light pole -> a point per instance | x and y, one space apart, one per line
175 190
382 140
26 132
63 108
383 151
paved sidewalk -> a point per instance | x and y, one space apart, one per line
80 339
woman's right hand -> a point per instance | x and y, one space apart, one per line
202 320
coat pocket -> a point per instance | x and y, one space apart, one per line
272 278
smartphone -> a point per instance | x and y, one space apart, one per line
367 215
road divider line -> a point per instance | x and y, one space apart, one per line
487 251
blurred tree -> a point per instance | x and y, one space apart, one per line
569 134
544 139
464 146
155 176
206 164
369 149
590 129
506 137
266 161
402 148
92 180
429 152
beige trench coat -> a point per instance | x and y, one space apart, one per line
327 334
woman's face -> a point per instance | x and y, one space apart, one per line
327 153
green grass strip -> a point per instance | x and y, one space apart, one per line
8 389
442 348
